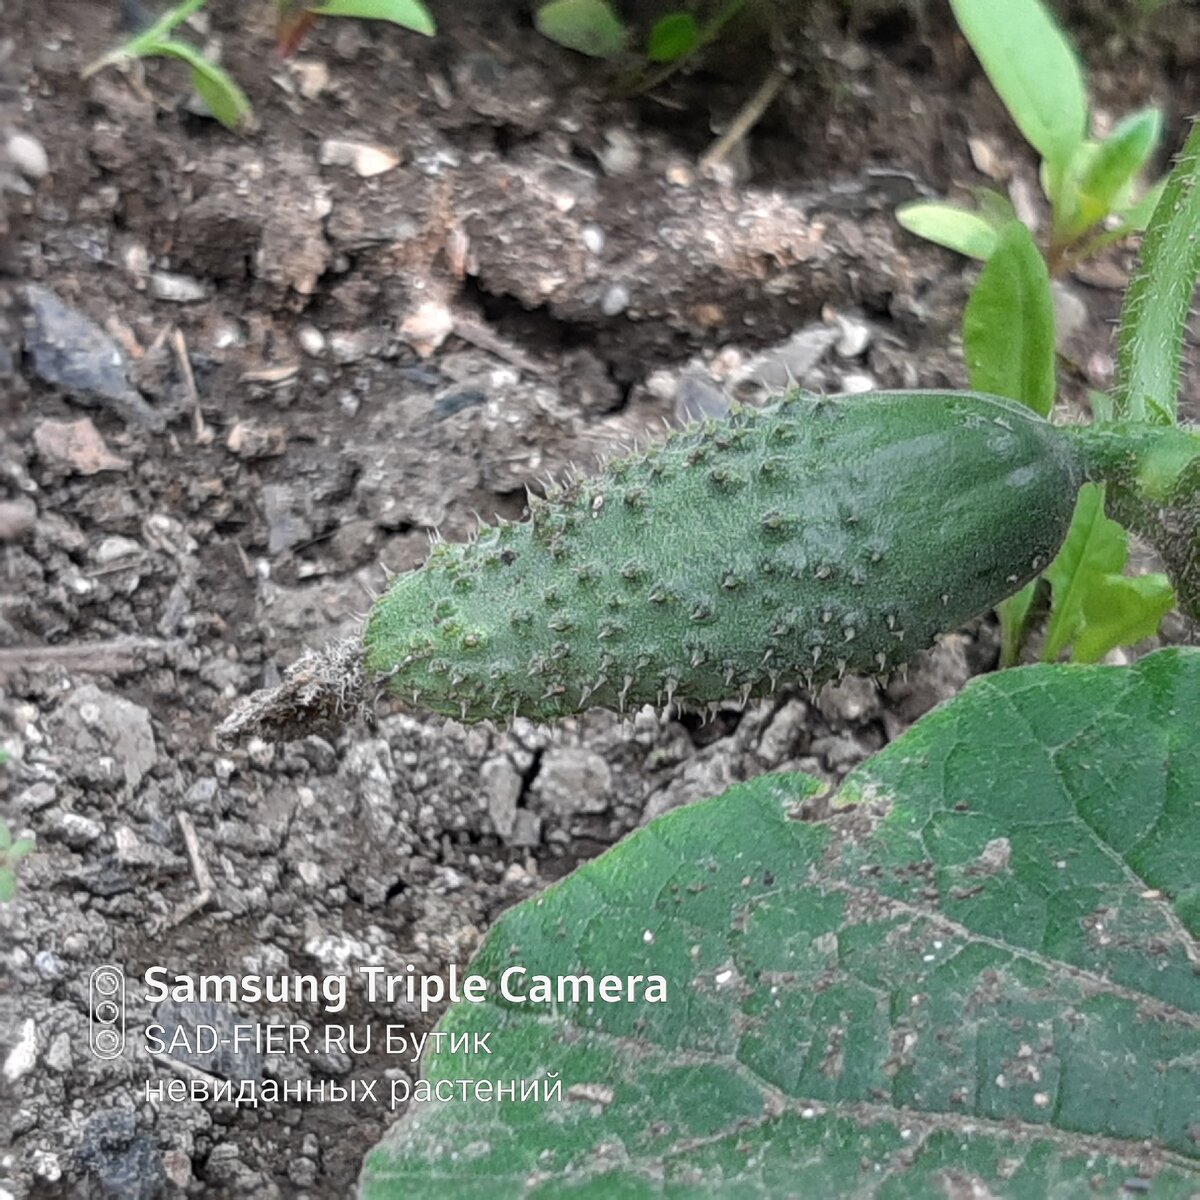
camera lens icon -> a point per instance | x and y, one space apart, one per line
106 1011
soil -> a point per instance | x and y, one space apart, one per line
315 369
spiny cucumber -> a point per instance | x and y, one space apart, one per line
785 544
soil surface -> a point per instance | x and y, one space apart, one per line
239 377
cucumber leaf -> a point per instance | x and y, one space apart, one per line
411 14
969 966
1096 607
589 26
1008 326
959 229
1035 72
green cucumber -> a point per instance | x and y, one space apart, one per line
783 544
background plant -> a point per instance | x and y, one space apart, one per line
1009 328
213 84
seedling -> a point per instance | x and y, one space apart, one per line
1091 183
1009 328
592 27
215 86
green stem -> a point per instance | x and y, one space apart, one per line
143 43
1160 296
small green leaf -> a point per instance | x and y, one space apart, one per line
8 885
411 14
979 967
1121 612
20 848
215 86
1008 326
948 225
1114 166
5 836
1095 607
673 37
1013 614
1160 296
1137 215
588 26
1035 71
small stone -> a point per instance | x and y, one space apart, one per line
779 741
573 781
114 549
36 797
59 1056
620 154
77 830
593 238
364 159
312 76
48 965
854 337
17 519
309 872
312 340
102 724
350 347
76 444
501 784
178 289
28 155
615 300
856 383
249 440
527 829
23 1055
427 327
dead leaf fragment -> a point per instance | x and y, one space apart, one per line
78 445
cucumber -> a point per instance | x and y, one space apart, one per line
784 544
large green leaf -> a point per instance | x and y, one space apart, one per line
1095 607
1008 326
974 976
1036 73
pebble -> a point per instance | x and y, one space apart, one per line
28 155
573 781
48 965
68 350
363 158
77 830
114 549
17 519
620 154
22 1056
311 340
178 289
853 338
99 720
59 1056
76 444
856 383
593 238
501 785
615 300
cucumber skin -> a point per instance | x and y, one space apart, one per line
784 544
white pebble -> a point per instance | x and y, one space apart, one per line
28 155
593 238
312 341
